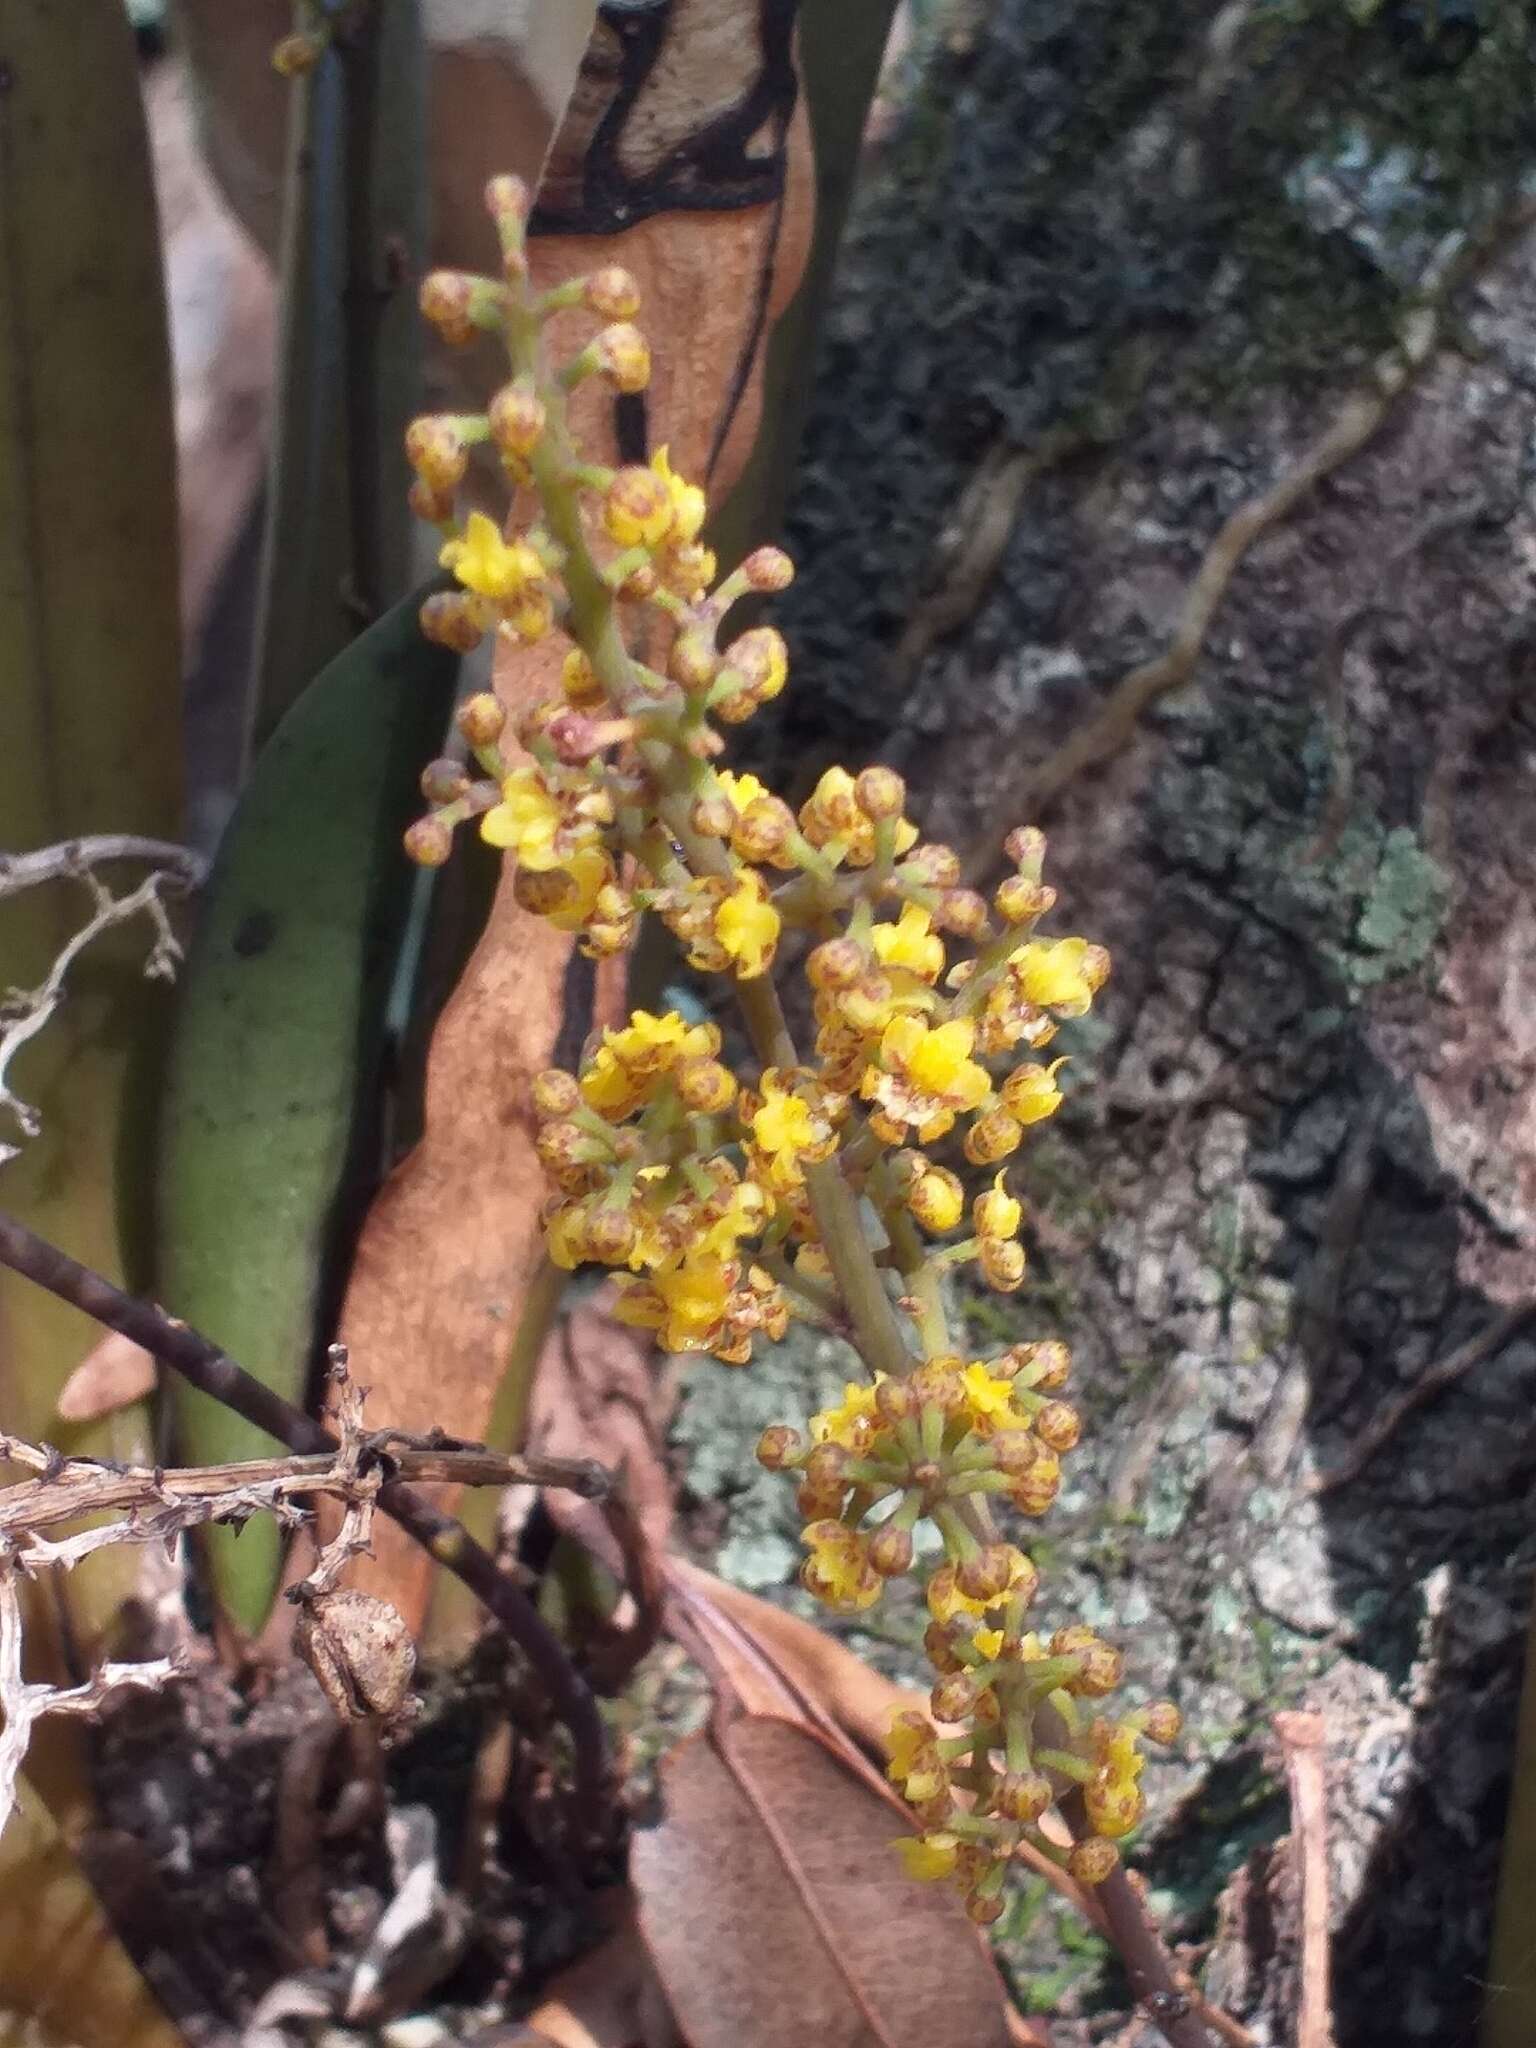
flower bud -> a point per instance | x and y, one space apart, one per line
936 866
993 1136
1025 847
693 661
895 1400
295 55
890 1551
637 510
941 1643
937 1199
555 1093
428 842
761 659
1014 1451
582 689
1002 1264
1048 1366
518 418
506 197
452 621
1024 1795
705 1085
836 964
996 1214
762 830
985 1907
1092 1861
544 893
611 1234
1034 1491
1058 1426
938 1384
611 293
443 780
954 1697
482 719
819 1503
994 1570
1162 1722
1020 901
562 1145
457 303
881 792
827 1465
963 912
778 1446
625 356
434 507
435 449
768 570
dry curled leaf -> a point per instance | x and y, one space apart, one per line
112 1375
778 1916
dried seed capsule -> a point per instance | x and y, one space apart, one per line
360 1650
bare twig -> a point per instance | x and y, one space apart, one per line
203 1365
1302 1737
24 1704
26 1012
1444 1373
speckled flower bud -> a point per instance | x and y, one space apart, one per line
1035 1491
482 719
1020 901
625 356
435 449
895 1400
941 1644
612 293
705 1085
768 570
555 1093
443 780
954 1697
881 792
518 418
992 1137
985 1907
837 964
993 1571
428 842
506 197
637 510
295 55
963 912
826 1466
452 621
1162 1722
937 1199
694 661
762 831
611 1235
778 1447
890 1551
936 866
1025 847
1058 1426
1002 1264
1024 1795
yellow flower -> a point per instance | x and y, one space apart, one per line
741 790
688 502
837 1571
788 1133
591 871
744 1215
1052 973
527 819
990 1643
926 1073
915 1764
1112 1796
747 927
927 1856
911 943
852 1423
997 1214
833 812
649 1044
489 565
989 1401
686 1302
1030 1092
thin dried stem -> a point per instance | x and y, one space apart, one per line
203 1365
26 1012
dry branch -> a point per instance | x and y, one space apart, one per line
26 1012
1302 1738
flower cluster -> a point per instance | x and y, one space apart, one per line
819 1183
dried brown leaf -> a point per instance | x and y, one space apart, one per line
112 1375
609 1999
777 1914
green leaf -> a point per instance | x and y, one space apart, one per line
277 1059
90 686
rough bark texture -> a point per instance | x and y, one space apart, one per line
1144 252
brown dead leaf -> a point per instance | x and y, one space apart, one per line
609 1999
777 1915
113 1374
448 1251
598 1395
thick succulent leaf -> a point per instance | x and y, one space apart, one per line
90 737
66 1981
277 1054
